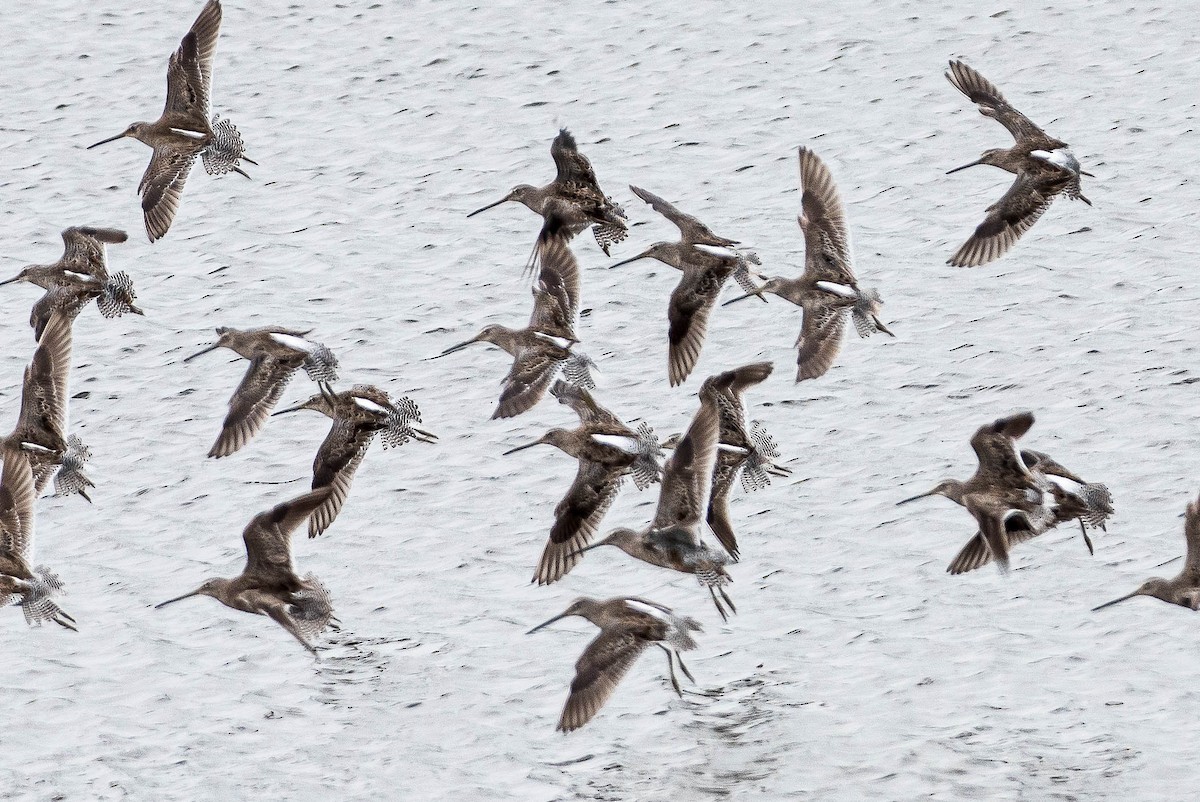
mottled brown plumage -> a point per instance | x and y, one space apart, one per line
183 132
358 415
572 201
627 626
828 288
1184 588
543 347
275 354
269 584
1044 166
607 450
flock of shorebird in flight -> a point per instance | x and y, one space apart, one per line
1015 494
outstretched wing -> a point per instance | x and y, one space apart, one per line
820 337
162 186
253 400
336 462
17 499
532 372
268 539
1010 217
577 517
823 221
691 230
586 407
597 673
573 167
992 104
687 476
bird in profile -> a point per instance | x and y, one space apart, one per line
275 354
574 196
269 584
42 421
673 538
184 131
748 451
1010 502
828 288
544 347
607 450
1184 588
1044 166
1066 496
80 276
358 415
627 626
34 589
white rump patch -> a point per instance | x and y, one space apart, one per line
717 250
642 607
561 342
188 133
837 289
82 276
732 449
369 405
1059 158
627 444
292 342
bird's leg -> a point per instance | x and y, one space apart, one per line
1086 539
713 592
671 668
684 668
728 600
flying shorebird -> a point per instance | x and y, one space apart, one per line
42 421
607 450
1045 168
358 415
583 203
32 588
269 584
275 354
184 132
1069 498
673 538
1184 588
79 276
543 347
827 288
748 452
627 626
1010 502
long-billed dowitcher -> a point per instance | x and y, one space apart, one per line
275 354
583 203
42 421
673 538
1065 497
184 132
543 347
828 287
1045 168
79 276
269 584
358 415
627 626
32 588
1184 588
607 450
750 452
1008 501
705 270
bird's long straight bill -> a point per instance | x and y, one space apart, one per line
296 408
201 353
558 617
630 260
758 293
453 349
914 498
1115 601
106 141
975 163
521 448
505 199
10 281
177 598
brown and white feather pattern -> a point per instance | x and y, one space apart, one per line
605 661
577 519
260 390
